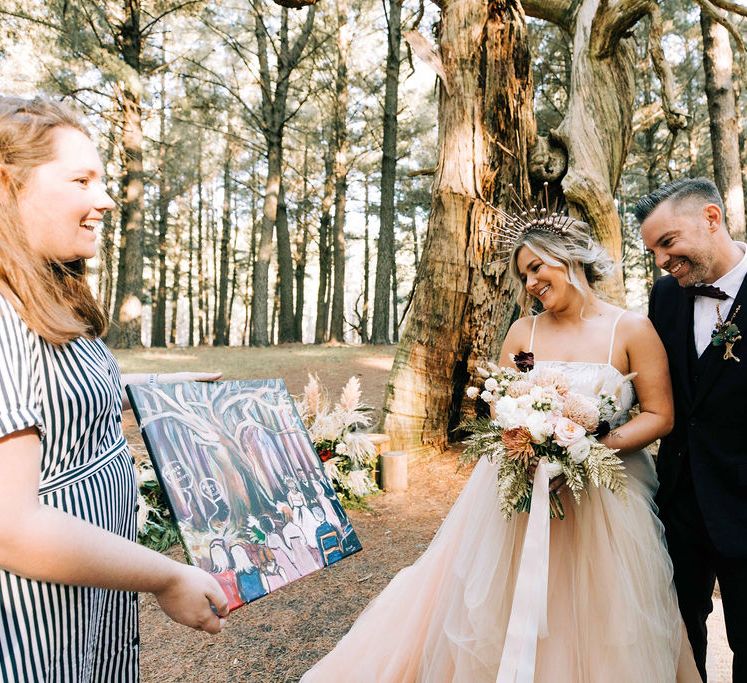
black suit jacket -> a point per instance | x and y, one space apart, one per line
710 431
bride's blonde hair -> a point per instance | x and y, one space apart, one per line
52 298
573 250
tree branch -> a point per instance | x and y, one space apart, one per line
675 120
734 7
613 23
33 20
174 8
557 12
302 39
711 9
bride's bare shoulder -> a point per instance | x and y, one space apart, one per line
518 338
634 326
521 329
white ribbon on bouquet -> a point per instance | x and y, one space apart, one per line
528 620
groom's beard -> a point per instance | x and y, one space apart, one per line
698 266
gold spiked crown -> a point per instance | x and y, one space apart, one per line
505 229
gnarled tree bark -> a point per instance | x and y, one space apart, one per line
459 311
718 62
596 131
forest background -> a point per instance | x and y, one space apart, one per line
317 173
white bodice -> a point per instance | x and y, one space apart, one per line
592 378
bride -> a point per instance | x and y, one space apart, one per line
611 610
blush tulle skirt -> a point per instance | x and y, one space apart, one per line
612 612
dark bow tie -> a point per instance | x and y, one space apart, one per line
706 290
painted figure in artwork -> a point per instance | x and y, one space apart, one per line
282 552
211 491
251 582
302 516
222 571
327 538
330 512
182 482
304 556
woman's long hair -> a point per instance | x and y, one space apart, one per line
52 298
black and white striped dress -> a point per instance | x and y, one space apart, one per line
72 394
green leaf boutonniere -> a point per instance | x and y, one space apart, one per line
726 334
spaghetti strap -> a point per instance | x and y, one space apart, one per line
612 337
531 339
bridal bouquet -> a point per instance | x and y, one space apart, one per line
536 415
347 453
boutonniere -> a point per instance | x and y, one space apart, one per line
726 334
524 360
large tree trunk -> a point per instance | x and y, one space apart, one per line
158 323
718 62
261 272
252 260
273 120
336 328
158 327
201 279
221 319
106 270
366 267
176 287
384 264
325 260
235 267
126 331
215 248
190 274
285 272
395 294
302 243
462 305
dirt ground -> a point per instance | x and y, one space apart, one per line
280 636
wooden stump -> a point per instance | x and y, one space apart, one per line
393 467
383 444
381 441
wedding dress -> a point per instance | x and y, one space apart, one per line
612 614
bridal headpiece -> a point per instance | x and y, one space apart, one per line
505 229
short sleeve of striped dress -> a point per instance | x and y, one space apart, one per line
19 404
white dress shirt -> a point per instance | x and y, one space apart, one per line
705 317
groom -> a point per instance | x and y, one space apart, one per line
702 464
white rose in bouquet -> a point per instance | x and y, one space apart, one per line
568 432
491 384
508 414
540 426
487 397
579 451
473 392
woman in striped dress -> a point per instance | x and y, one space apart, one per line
69 567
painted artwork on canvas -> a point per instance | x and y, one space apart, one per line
244 483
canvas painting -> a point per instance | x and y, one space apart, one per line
243 481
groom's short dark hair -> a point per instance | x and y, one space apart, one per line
677 191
